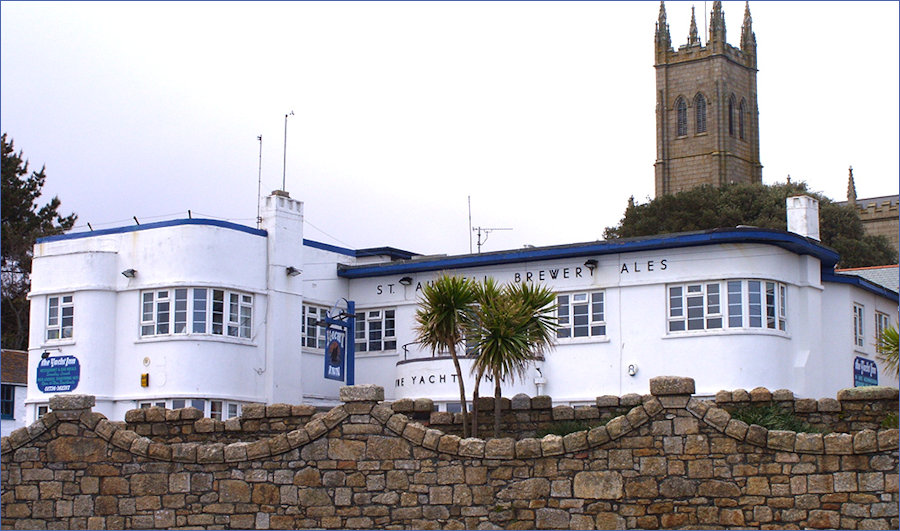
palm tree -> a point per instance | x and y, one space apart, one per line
888 348
486 293
444 314
512 330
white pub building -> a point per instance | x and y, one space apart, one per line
211 314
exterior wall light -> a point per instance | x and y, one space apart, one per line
590 264
406 281
292 271
129 273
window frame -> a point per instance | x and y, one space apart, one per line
196 311
700 125
882 322
681 120
741 110
859 325
8 401
383 337
734 304
312 313
590 317
56 328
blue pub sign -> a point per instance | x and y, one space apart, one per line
58 374
865 372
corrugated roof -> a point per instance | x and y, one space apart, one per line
14 366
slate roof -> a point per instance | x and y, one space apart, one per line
14 366
887 276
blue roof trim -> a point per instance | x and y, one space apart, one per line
860 282
395 254
156 225
326 247
785 240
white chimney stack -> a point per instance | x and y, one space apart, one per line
803 216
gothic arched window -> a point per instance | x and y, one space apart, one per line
681 117
741 120
700 109
731 107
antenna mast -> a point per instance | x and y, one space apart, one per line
470 224
485 231
259 185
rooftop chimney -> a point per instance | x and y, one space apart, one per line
803 216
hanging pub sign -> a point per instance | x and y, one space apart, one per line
335 353
865 372
58 374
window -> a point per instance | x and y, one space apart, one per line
313 334
858 325
581 315
218 409
731 106
60 316
882 322
375 330
222 410
196 311
741 120
681 117
727 304
7 401
700 110
42 410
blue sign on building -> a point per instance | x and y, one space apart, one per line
335 352
58 374
865 372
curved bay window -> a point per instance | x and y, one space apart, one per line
727 304
196 311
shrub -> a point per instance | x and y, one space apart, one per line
566 427
772 417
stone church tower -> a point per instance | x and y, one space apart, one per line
707 121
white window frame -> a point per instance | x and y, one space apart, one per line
60 317
730 304
581 315
859 325
214 408
312 333
376 330
882 322
193 311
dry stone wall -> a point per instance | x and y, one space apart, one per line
671 461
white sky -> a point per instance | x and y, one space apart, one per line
542 112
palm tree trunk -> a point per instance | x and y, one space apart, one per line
462 392
497 397
475 395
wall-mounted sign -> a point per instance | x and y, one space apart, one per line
58 374
335 351
865 372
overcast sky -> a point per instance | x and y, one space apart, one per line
543 113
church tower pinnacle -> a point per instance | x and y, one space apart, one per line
693 36
707 121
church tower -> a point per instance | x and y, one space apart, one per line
707 121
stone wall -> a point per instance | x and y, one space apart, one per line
670 461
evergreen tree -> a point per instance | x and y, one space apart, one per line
708 207
23 222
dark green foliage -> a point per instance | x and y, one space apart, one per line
772 417
23 223
757 205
